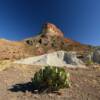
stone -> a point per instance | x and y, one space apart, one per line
59 58
87 57
96 56
71 58
52 30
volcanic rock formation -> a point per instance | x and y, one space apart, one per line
50 39
51 30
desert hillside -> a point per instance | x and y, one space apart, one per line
74 65
50 39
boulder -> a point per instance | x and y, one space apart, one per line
87 57
71 58
96 56
59 58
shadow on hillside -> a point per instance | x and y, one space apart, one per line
22 87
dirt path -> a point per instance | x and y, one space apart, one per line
14 84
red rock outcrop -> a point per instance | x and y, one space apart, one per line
51 39
51 30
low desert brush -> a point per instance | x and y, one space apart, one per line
51 78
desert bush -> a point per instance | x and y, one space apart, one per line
51 79
89 62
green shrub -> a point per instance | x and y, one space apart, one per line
89 62
51 79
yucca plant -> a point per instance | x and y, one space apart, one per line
51 78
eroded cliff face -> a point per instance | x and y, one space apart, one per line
50 39
52 30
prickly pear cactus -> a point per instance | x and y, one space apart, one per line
51 78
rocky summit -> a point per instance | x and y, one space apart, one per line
49 39
51 30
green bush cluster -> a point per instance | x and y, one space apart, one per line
51 78
89 62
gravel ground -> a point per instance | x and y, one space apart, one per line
15 84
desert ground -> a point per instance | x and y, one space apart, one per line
15 83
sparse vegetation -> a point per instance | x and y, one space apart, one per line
4 64
51 79
89 62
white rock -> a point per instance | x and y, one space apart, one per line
96 56
59 58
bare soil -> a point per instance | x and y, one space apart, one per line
15 84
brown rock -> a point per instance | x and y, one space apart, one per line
52 30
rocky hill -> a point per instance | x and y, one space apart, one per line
50 39
11 49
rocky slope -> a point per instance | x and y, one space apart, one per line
50 39
13 50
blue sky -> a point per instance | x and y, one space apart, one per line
78 19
